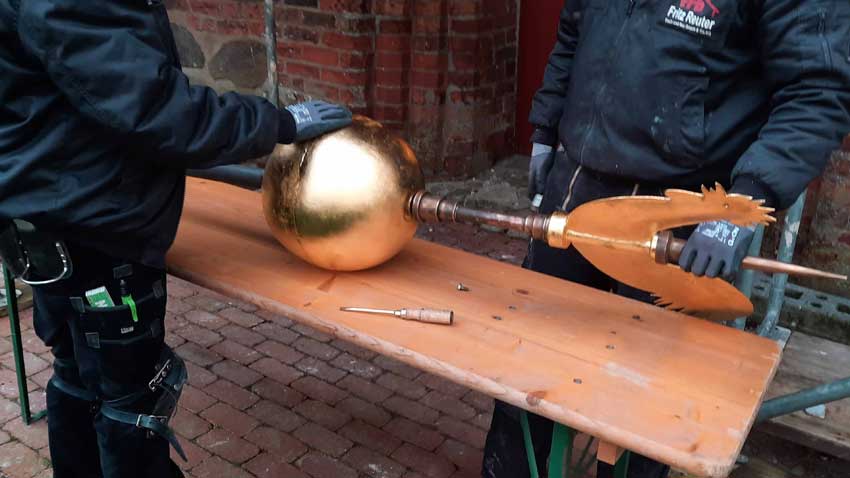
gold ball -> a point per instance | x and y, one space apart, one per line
339 202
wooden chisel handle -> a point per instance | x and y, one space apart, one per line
431 316
668 249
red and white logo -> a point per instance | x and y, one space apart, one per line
692 16
698 6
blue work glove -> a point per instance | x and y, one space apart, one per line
313 119
716 248
542 158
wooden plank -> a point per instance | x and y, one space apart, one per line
608 452
681 390
810 361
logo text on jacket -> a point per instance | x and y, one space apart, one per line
693 16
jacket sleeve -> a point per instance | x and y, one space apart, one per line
548 103
112 62
805 48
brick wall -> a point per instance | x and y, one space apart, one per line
442 73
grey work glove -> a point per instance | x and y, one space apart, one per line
315 118
716 248
542 158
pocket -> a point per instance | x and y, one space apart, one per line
814 52
678 129
126 350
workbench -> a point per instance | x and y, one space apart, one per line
681 390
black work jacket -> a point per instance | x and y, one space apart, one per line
98 123
689 92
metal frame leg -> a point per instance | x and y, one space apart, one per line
18 349
794 402
561 453
621 469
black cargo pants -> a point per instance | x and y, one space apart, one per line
83 442
568 186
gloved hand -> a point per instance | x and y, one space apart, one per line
542 158
315 118
716 248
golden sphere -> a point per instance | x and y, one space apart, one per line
340 201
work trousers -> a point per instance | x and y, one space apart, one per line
568 186
83 442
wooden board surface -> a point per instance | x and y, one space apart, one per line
681 390
810 361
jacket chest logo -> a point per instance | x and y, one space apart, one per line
693 16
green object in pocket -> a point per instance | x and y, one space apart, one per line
128 301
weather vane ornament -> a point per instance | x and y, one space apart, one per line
351 200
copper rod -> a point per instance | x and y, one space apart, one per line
669 249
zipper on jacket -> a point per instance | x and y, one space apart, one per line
604 86
827 57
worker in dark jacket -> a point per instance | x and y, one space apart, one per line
97 128
648 95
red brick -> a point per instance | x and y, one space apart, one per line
324 440
198 376
344 77
373 464
359 367
392 43
370 437
241 335
427 24
194 454
354 349
240 317
412 410
276 318
320 369
318 19
199 335
32 362
443 385
365 411
479 400
4 437
385 113
464 61
223 415
276 416
427 43
462 455
319 55
319 390
425 61
462 431
215 467
280 352
275 370
269 465
276 332
394 25
352 6
236 373
312 333
31 343
195 400
205 319
320 466
33 435
465 26
401 385
411 432
188 424
391 7
319 412
364 389
390 77
353 60
390 59
348 42
316 349
277 392
180 288
16 460
448 405
397 367
227 445
198 355
208 301
227 392
282 445
482 420
302 69
41 378
173 340
296 33
429 464
426 79
236 352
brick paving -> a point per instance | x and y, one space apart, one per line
268 397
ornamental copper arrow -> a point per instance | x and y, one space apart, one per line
628 238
